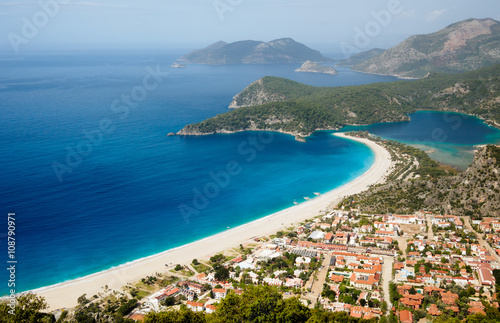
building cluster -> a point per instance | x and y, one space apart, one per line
448 272
348 251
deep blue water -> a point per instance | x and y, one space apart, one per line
118 200
447 137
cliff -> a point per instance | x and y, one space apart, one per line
460 47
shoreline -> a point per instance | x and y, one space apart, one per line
65 294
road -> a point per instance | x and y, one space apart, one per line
387 278
430 233
483 243
317 286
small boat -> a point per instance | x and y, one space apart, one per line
306 198
178 65
294 202
317 194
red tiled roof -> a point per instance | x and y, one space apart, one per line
433 310
405 316
194 304
137 317
337 278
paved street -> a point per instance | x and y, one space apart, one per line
317 286
387 278
430 233
483 243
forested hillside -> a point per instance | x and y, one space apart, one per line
283 105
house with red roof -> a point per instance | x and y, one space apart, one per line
210 308
336 278
219 293
328 237
485 276
433 310
405 316
195 306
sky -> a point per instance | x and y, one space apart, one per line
327 25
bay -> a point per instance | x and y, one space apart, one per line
121 197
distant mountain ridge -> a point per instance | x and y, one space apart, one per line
361 57
284 50
461 47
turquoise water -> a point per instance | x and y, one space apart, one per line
450 138
132 191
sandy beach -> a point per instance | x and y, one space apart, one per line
65 294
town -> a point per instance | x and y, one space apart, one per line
401 268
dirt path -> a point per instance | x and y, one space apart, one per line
402 244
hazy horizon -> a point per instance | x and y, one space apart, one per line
152 24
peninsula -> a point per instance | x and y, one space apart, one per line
313 67
278 104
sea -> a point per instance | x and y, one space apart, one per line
90 180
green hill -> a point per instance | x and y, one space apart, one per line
278 104
427 186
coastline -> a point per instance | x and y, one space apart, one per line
65 294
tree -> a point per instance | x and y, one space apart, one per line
217 258
383 306
181 316
82 300
222 274
418 314
27 309
178 267
169 301
260 304
195 262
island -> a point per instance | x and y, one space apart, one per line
313 67
284 50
